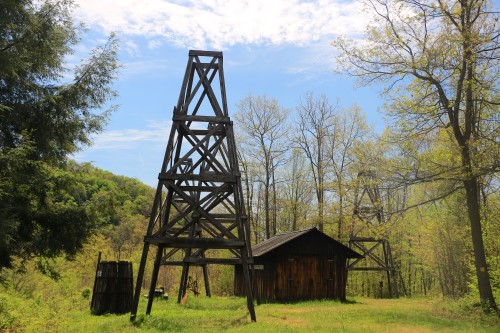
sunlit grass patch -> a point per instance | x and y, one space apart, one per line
230 314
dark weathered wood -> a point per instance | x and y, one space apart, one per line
205 119
204 261
95 278
209 153
199 200
202 178
215 54
203 132
379 269
140 275
154 279
113 288
207 283
310 266
185 243
198 104
368 213
201 71
191 92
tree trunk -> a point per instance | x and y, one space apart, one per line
266 205
321 190
295 208
341 215
257 214
275 208
474 211
249 197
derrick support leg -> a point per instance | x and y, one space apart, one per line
207 283
138 285
183 283
248 284
154 278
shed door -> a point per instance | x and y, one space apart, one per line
330 278
291 274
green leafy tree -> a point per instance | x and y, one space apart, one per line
439 63
43 118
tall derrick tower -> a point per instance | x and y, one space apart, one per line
368 233
198 210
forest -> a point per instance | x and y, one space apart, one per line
435 167
292 165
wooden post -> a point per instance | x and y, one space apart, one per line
95 278
205 278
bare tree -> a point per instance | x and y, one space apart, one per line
264 133
349 131
315 125
248 177
297 190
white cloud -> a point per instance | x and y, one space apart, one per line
150 66
154 44
221 23
127 139
132 48
314 59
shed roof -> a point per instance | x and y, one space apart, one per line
279 240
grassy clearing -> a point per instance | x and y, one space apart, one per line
226 314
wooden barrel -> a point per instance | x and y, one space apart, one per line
113 288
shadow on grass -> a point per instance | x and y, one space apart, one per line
159 323
351 301
305 301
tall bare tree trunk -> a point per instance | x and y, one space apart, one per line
474 211
275 208
321 181
266 205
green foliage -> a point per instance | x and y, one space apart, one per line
43 118
78 201
48 294
6 317
438 65
35 39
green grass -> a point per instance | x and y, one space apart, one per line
227 314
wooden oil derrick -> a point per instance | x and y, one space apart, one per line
198 213
368 234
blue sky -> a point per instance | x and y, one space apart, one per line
278 48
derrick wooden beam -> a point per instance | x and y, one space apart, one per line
198 243
382 269
205 119
203 261
203 53
221 178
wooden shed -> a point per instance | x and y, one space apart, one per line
298 265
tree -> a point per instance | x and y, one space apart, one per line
439 61
314 128
263 123
348 132
249 175
43 119
297 191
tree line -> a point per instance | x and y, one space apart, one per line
437 63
